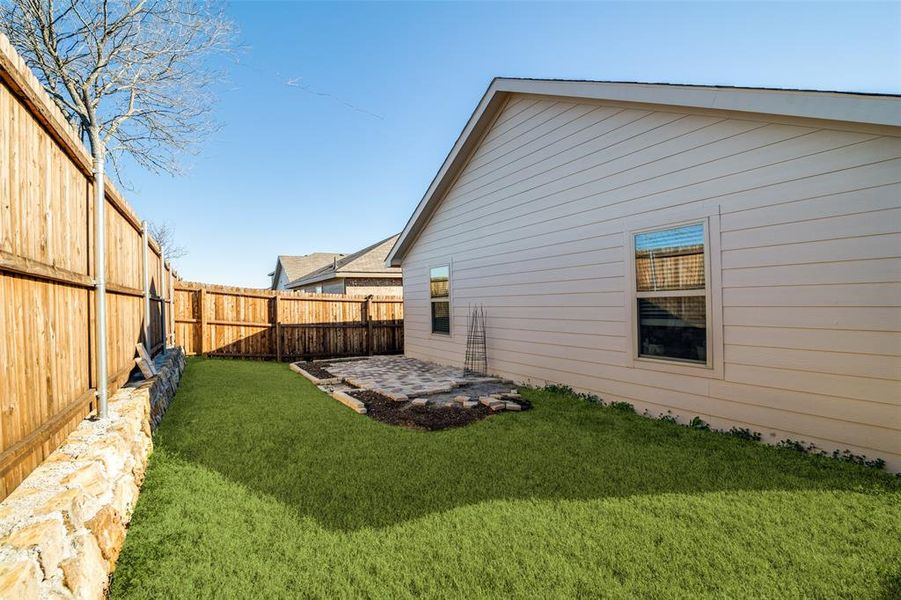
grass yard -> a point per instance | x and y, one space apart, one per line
261 486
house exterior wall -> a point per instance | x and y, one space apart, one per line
377 286
804 220
329 286
358 286
282 282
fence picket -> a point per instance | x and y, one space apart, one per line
254 323
47 293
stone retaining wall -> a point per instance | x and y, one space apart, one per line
61 530
163 386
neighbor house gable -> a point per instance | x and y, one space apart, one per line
366 263
289 268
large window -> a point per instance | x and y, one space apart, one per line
671 293
439 291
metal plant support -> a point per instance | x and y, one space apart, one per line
476 362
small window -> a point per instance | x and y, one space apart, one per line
671 293
439 291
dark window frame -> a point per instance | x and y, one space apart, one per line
446 299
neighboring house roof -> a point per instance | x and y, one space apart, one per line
298 266
871 109
368 262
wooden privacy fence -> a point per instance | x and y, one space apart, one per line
47 298
252 323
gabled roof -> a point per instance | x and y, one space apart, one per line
298 266
870 109
368 262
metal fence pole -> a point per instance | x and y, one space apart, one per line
100 286
172 342
162 296
144 247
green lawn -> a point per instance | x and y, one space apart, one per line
263 487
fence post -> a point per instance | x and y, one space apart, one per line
276 325
146 272
202 307
368 316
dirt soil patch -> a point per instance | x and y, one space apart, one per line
315 370
429 418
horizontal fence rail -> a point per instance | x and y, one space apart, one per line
48 370
215 320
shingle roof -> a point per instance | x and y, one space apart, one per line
368 261
296 267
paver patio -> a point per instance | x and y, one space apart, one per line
410 377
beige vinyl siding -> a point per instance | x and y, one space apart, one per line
810 250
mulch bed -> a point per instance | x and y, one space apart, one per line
429 418
315 370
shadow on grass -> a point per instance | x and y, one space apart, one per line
270 430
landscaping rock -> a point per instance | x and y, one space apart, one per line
487 400
89 477
470 404
47 536
20 575
497 405
512 406
419 402
86 573
349 401
62 529
461 399
109 531
71 504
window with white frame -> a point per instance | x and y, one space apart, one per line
671 299
439 292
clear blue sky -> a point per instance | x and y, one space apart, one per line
342 162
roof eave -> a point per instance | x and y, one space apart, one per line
872 109
484 113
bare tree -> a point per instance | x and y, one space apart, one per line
132 76
164 234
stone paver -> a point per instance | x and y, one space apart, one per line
401 376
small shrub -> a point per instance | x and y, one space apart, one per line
796 445
565 390
591 399
622 406
556 388
699 423
858 459
667 418
745 434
